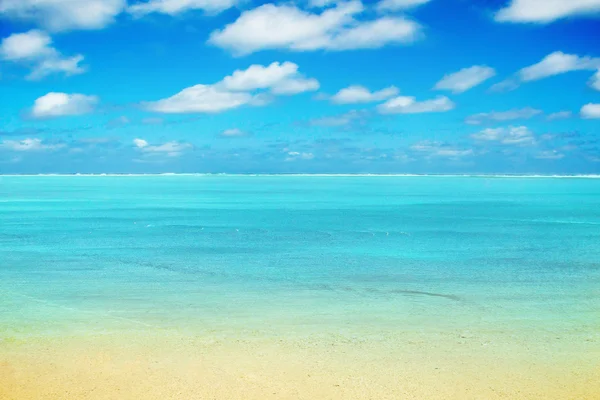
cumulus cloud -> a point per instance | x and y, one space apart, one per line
233 132
238 89
29 145
34 49
439 149
559 115
360 94
280 78
169 149
174 7
553 64
523 113
514 135
595 81
60 15
590 111
409 105
140 143
399 5
26 46
295 86
200 99
285 26
56 104
465 79
545 11
558 63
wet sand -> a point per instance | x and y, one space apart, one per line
178 366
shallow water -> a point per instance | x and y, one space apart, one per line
300 255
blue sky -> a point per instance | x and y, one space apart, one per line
388 86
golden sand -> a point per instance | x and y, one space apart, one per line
176 366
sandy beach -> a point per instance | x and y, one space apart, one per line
173 366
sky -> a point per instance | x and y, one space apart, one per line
306 86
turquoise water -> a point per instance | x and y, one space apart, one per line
295 255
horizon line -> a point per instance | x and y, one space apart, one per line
481 175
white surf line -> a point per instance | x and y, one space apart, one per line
106 315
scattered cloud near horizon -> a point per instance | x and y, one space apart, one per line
359 94
169 149
410 105
514 135
495 116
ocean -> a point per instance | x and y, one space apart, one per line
510 263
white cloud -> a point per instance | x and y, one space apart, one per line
295 86
30 45
174 7
200 99
558 63
439 149
375 34
595 81
409 105
544 11
399 5
234 132
34 49
360 94
333 29
170 149
465 79
60 15
553 64
61 104
69 66
522 113
237 90
29 145
590 111
514 135
259 77
559 115
549 155
281 78
295 155
140 143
